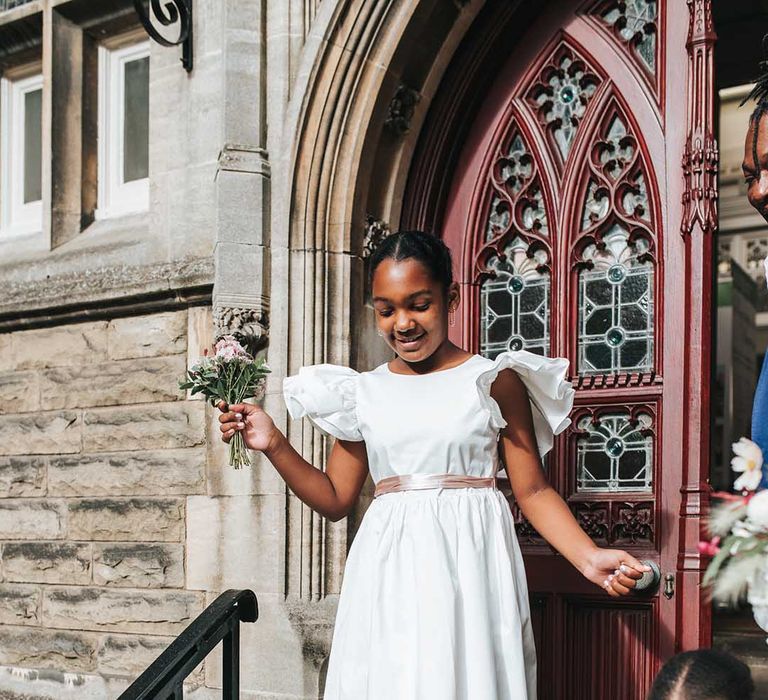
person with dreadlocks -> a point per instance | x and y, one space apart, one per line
755 167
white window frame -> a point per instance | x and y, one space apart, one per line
115 197
17 218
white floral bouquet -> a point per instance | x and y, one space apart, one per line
231 375
738 528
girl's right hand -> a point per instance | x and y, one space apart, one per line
258 429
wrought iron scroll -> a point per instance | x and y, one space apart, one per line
169 13
700 157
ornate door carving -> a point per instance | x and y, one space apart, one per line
566 217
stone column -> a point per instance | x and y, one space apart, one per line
240 295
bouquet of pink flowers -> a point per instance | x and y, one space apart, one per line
231 375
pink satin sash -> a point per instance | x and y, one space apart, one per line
420 482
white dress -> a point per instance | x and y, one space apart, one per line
434 602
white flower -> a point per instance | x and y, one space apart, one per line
748 461
757 509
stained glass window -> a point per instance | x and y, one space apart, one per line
616 306
516 166
515 304
615 455
635 23
562 95
498 218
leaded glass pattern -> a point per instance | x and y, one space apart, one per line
515 304
596 206
634 22
616 150
533 215
498 218
615 453
516 167
561 95
616 306
634 201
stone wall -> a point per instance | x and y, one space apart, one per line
100 455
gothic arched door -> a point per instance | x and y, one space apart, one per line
564 211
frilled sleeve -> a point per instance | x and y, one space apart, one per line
550 394
327 396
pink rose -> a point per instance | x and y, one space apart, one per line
709 549
228 349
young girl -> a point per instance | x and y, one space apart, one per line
434 604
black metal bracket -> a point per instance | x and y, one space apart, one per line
169 13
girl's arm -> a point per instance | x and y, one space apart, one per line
332 493
542 505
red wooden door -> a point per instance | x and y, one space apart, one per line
565 216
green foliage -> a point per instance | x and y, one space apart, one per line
231 380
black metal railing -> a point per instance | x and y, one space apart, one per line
220 621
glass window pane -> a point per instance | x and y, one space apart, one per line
515 304
136 120
500 302
598 357
613 455
33 190
634 353
616 306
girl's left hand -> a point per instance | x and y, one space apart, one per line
614 570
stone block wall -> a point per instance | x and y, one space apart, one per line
100 453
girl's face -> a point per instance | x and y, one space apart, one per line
411 308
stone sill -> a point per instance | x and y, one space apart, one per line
114 266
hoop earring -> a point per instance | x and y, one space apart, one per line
451 317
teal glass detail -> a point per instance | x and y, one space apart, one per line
616 309
615 454
514 305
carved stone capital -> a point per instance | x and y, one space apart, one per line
245 317
401 110
375 232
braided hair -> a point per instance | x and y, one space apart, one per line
427 248
759 94
703 674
